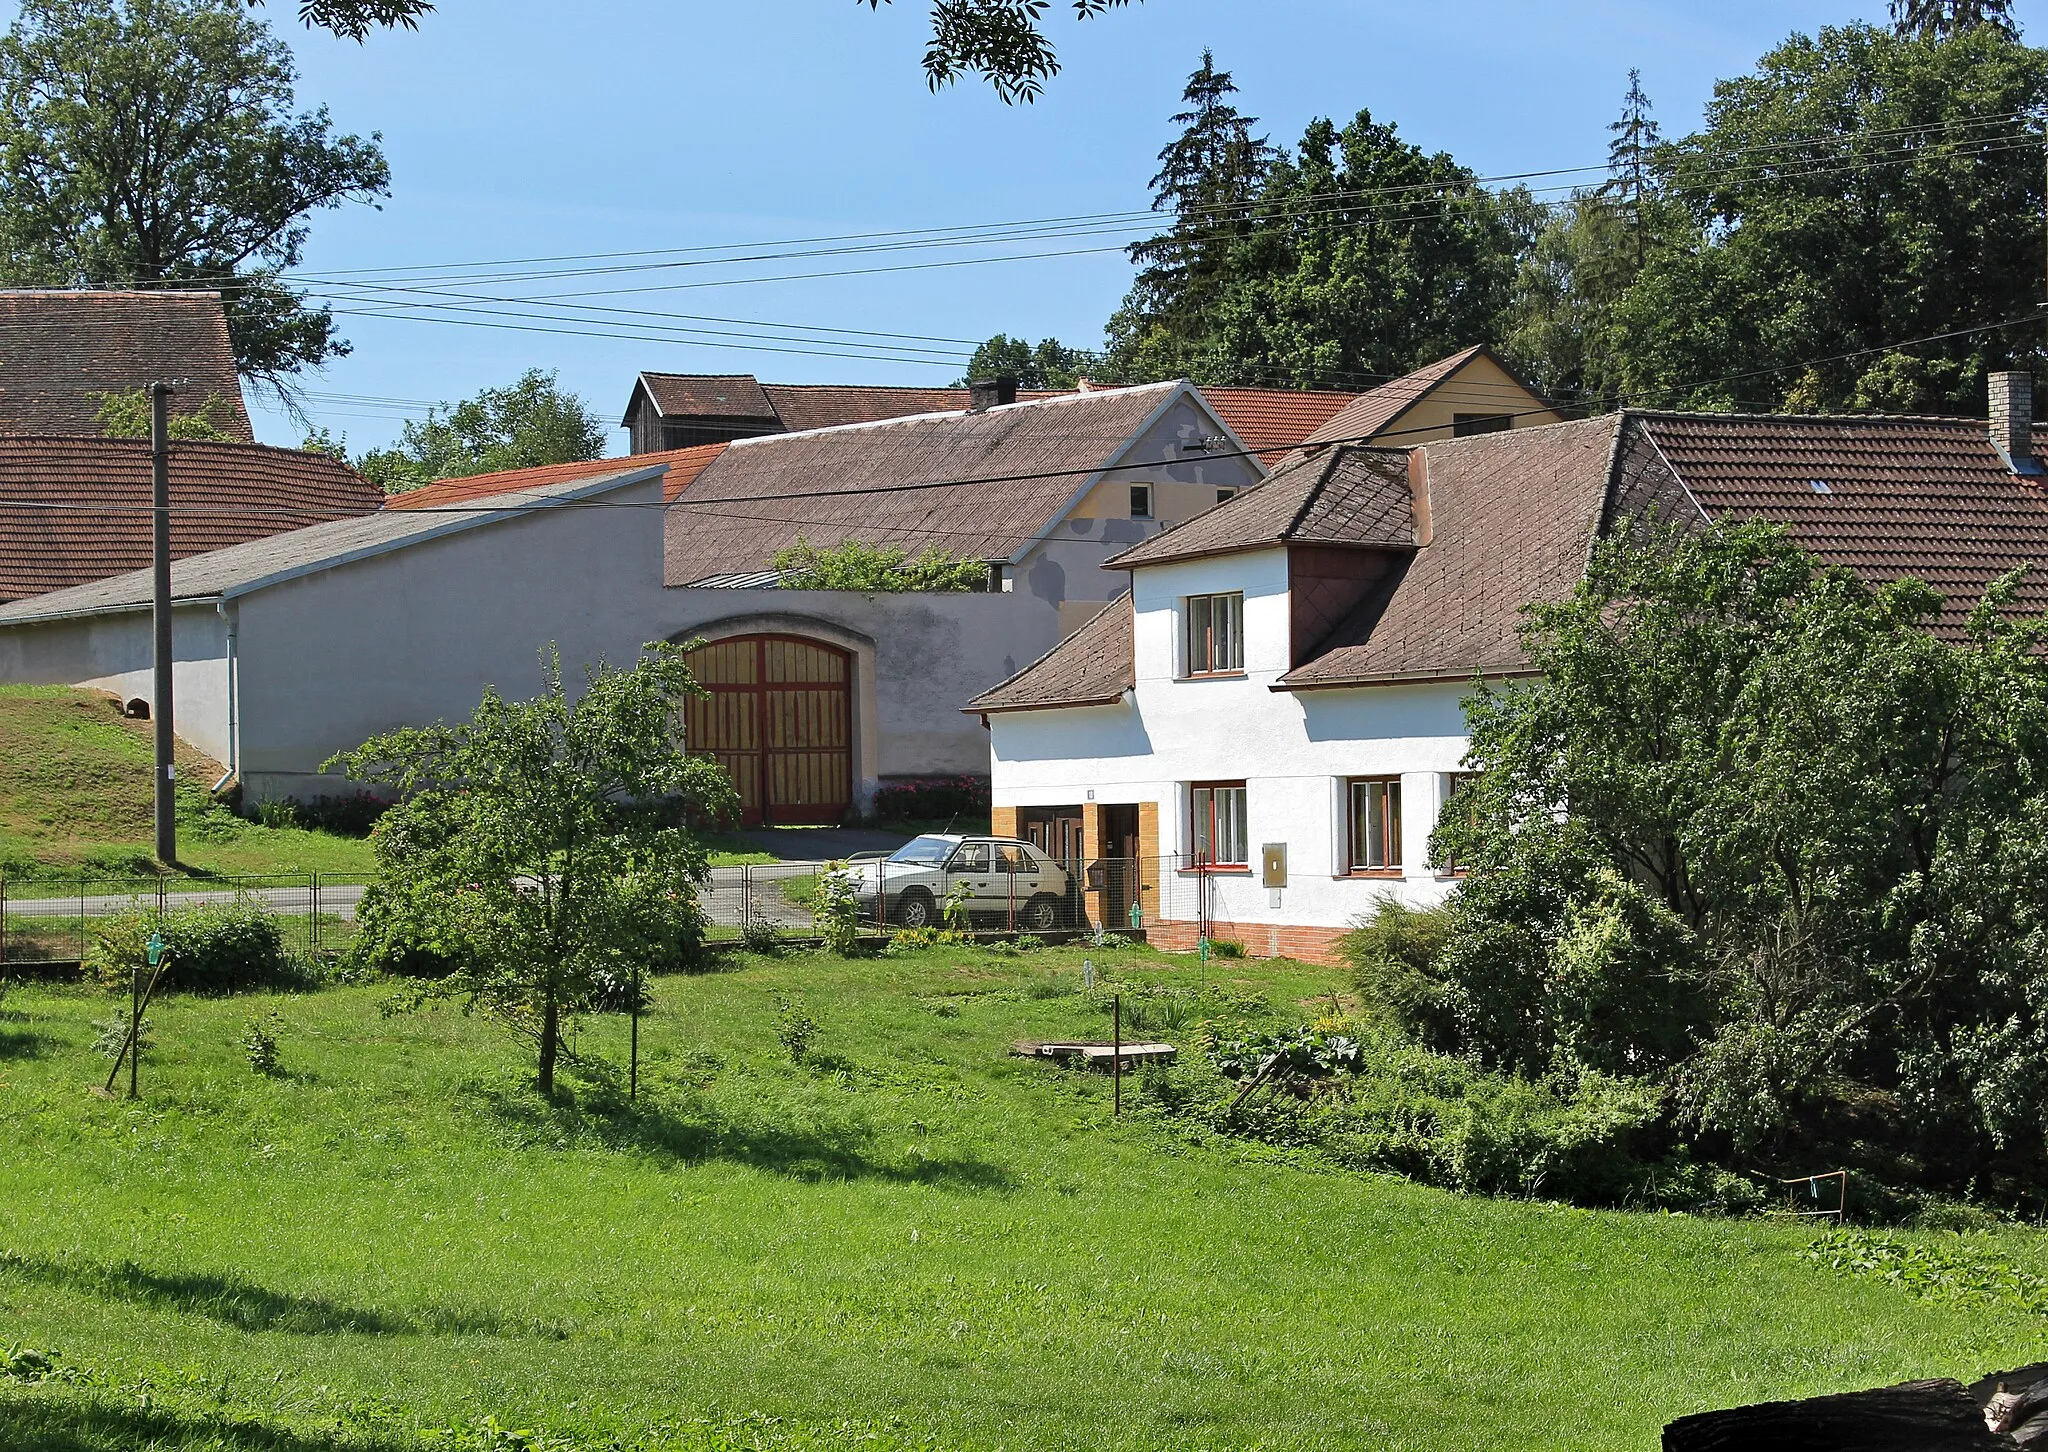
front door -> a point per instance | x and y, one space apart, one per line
1120 875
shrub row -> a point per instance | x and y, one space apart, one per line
931 798
214 948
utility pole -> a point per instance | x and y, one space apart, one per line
160 618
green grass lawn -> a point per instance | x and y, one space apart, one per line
914 1240
75 793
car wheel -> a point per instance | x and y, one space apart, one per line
1041 914
914 909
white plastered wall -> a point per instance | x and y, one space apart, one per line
1295 752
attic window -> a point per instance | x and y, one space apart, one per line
1224 496
1819 486
1141 501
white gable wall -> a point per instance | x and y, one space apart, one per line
1295 751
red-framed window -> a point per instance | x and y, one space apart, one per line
1216 814
1215 644
1376 824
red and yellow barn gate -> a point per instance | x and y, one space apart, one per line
780 719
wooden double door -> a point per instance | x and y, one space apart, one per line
780 719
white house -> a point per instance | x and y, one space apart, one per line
1270 724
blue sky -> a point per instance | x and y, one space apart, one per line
534 128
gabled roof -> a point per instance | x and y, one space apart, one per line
978 485
1344 496
245 568
1926 497
1092 667
743 399
1512 519
221 494
1275 421
708 395
1373 413
59 348
684 465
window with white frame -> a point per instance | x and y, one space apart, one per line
1376 824
1141 501
1215 624
1216 810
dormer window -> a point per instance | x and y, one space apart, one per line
1215 625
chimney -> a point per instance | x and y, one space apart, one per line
2012 419
987 393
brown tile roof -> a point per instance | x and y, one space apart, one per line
803 406
1342 496
221 494
1275 421
1513 516
1925 497
59 348
999 478
684 465
1092 667
708 395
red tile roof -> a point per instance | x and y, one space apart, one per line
221 494
1925 497
1275 421
60 348
684 465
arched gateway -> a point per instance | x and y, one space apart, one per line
780 719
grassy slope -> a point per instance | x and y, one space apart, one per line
75 790
922 1236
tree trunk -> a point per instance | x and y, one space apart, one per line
550 1037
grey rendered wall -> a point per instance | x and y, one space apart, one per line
112 653
1067 564
415 636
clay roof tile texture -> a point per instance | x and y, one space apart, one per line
684 465
60 349
725 395
221 494
1092 667
1341 496
1513 518
1371 412
1886 497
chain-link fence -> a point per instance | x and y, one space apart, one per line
48 919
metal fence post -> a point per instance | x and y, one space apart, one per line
746 896
81 915
316 911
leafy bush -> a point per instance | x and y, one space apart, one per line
1932 1272
353 815
911 940
214 948
1392 951
932 799
111 1040
1225 948
259 1045
761 936
837 914
795 1029
856 565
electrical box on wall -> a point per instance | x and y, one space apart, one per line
1273 863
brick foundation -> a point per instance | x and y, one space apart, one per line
1261 940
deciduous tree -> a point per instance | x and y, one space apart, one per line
1052 364
530 423
154 143
539 849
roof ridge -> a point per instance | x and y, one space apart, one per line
1738 416
1056 400
1313 492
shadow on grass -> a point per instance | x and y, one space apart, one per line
600 1114
242 1304
21 1043
67 1424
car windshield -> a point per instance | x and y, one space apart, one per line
924 851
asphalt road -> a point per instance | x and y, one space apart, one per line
336 901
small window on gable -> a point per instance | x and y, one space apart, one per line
1141 501
1215 643
1224 496
1481 423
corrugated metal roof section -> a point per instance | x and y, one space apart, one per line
245 568
748 580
